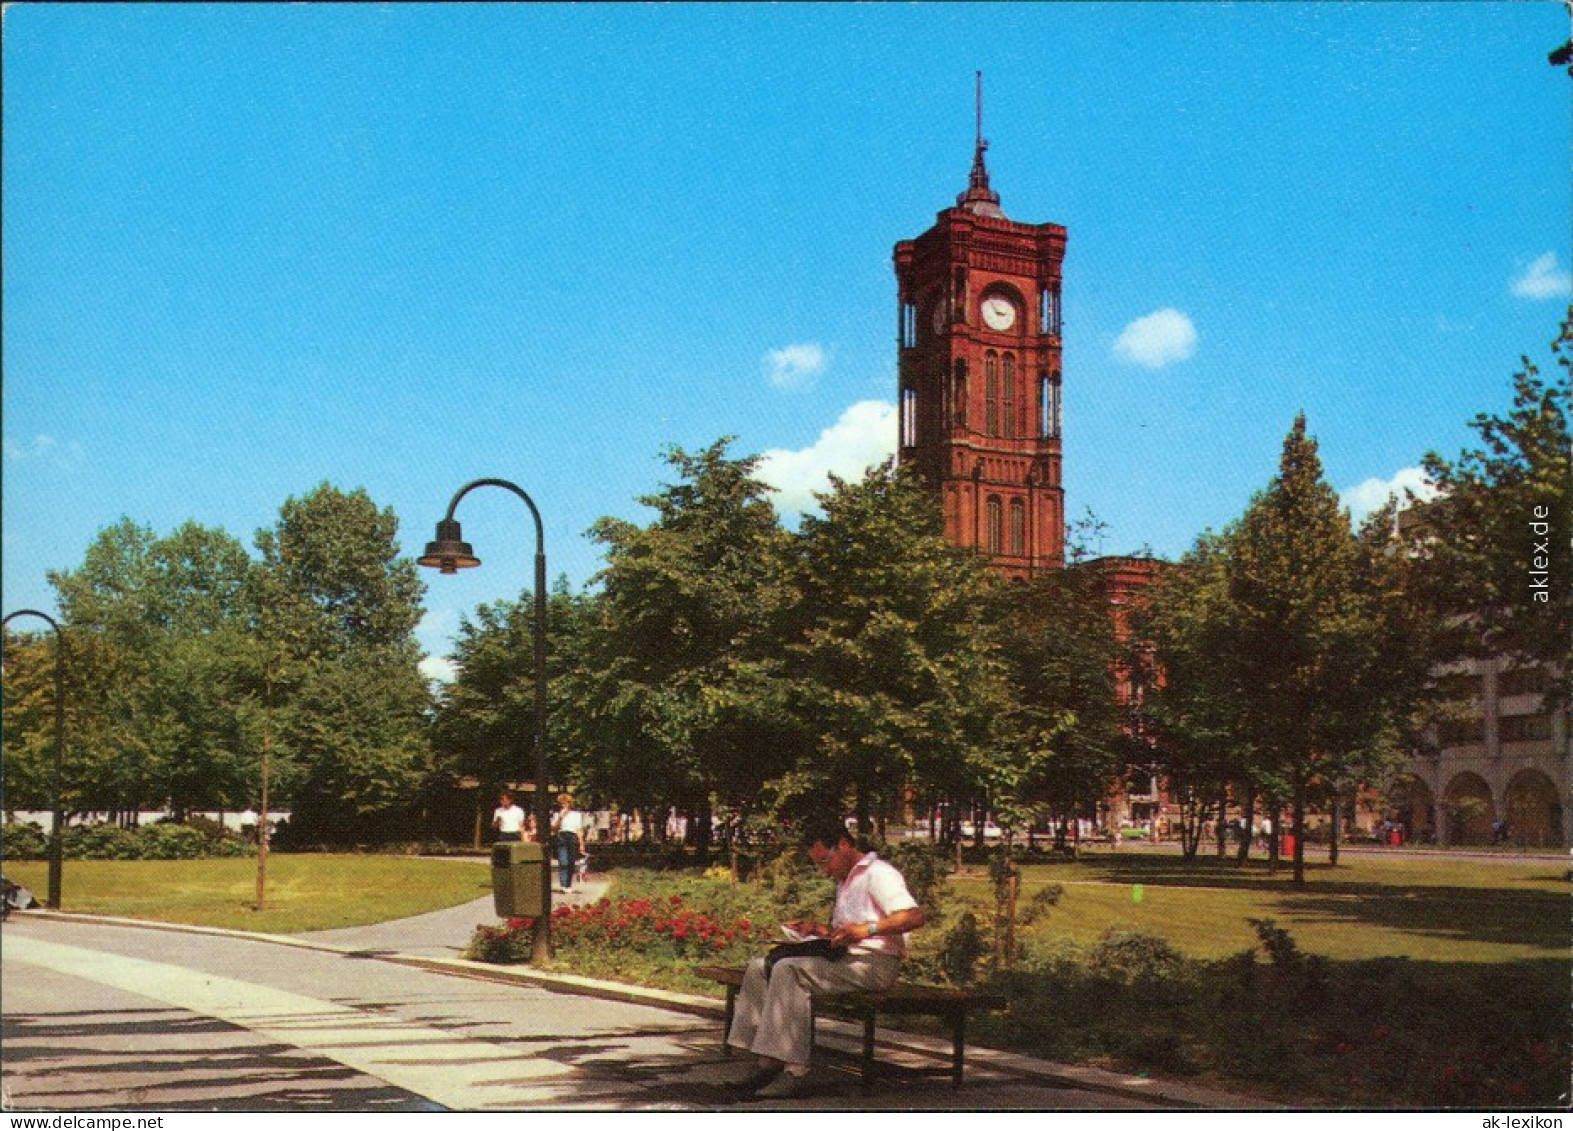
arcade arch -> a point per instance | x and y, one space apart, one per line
1467 810
1534 810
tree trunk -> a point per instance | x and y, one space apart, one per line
1223 821
1332 836
1299 828
1274 831
1247 820
704 835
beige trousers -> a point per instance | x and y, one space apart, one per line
775 1018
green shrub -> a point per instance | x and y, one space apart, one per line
1135 956
99 842
23 840
507 945
170 842
964 945
924 866
163 840
1037 907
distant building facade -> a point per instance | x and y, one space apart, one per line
1497 770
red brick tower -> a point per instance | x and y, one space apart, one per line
979 371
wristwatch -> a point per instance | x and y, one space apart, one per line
873 928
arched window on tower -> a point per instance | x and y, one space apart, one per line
994 527
909 416
1048 405
909 324
1018 527
991 394
1008 414
959 393
1049 310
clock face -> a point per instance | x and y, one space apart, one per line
999 313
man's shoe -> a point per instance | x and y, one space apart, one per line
758 1078
784 1087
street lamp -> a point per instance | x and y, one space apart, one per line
60 746
449 554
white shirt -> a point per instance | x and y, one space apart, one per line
509 820
873 890
570 821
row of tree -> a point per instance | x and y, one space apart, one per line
727 667
730 669
189 658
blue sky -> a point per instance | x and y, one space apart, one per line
250 248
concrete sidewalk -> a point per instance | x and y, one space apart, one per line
701 1078
436 941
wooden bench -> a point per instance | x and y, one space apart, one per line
903 999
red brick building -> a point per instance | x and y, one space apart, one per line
980 375
979 372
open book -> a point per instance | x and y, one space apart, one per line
793 935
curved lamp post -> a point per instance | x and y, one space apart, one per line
450 553
60 746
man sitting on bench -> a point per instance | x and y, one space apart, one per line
873 913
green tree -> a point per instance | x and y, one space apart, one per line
338 641
28 729
1495 548
485 723
1306 638
681 665
157 623
895 661
1065 726
1193 710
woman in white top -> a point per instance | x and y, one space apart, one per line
569 824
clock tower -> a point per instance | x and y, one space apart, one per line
979 372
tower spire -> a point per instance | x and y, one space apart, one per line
979 198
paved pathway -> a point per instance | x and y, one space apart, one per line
307 1022
437 934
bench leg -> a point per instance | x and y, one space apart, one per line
958 1047
726 1025
868 1052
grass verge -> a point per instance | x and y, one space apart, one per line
305 892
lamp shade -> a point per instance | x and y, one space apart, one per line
450 552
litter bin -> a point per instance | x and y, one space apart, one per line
517 873
1288 845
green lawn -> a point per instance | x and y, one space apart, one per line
307 892
1444 909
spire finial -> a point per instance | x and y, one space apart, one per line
981 143
979 198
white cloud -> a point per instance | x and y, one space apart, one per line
1366 497
1157 339
795 368
1543 279
43 449
863 437
439 669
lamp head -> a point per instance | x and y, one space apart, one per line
450 552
